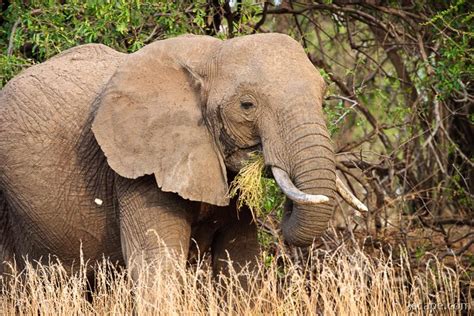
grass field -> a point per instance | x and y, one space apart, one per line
345 281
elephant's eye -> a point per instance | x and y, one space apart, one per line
246 105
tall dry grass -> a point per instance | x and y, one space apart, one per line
346 281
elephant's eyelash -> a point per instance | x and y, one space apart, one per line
246 105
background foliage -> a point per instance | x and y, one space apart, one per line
399 103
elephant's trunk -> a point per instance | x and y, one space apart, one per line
310 166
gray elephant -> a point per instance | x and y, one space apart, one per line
99 148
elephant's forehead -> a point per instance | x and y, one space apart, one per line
264 53
263 42
264 59
256 74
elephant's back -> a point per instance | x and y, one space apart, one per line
45 118
58 90
53 98
45 109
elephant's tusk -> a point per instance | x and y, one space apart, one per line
349 197
292 192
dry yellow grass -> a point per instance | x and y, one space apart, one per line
248 186
341 282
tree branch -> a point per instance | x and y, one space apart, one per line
11 41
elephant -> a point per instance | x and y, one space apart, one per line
130 155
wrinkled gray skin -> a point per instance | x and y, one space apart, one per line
154 135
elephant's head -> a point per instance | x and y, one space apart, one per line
189 108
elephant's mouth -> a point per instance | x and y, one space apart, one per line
236 159
254 148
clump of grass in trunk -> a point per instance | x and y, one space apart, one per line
249 186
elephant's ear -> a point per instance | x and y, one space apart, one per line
149 120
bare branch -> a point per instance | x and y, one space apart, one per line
11 41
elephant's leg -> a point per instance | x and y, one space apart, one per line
236 241
155 226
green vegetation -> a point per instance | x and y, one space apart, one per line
45 28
